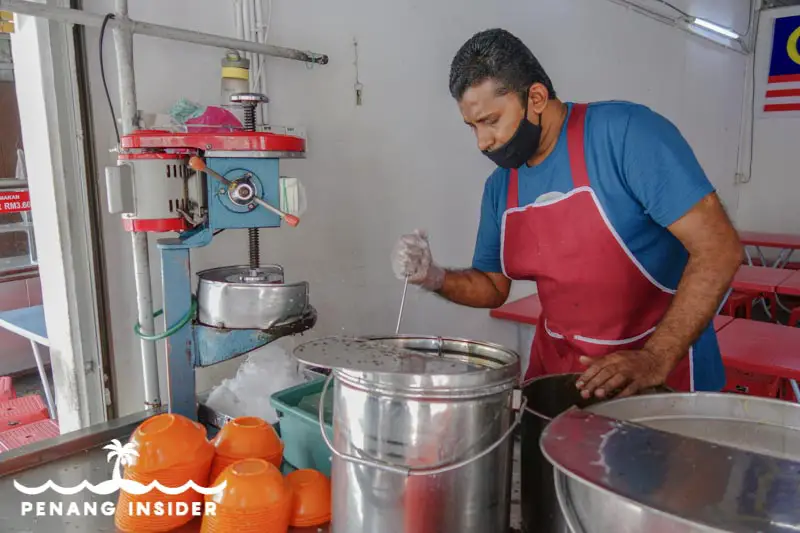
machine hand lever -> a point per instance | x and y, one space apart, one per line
198 164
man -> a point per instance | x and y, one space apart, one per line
606 207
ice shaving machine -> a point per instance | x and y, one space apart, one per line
197 185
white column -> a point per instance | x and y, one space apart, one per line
47 93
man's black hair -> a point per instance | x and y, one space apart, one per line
498 55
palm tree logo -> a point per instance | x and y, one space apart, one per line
124 456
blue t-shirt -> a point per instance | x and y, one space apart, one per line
645 176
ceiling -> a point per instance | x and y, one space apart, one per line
769 4
733 14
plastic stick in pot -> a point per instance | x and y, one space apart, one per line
402 305
198 164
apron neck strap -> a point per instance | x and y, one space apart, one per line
512 201
575 140
576 126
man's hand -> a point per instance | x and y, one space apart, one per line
628 371
412 257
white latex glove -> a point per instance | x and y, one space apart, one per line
412 257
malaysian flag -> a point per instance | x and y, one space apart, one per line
783 86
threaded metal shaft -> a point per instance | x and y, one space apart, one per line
255 251
252 233
250 118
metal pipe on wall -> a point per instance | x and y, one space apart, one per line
248 33
261 69
85 18
129 111
258 24
123 45
238 19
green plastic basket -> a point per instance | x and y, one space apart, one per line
299 422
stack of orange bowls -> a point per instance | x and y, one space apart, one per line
312 498
172 450
256 499
246 437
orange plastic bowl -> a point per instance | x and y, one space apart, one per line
166 440
246 437
252 485
276 520
312 498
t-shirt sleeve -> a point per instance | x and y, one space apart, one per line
660 167
487 244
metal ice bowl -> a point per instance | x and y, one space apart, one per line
715 462
232 298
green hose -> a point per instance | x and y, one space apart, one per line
170 331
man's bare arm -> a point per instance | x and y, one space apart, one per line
715 255
475 288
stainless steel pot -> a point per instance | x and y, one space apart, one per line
679 463
546 398
421 434
230 297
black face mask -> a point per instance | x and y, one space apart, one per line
521 146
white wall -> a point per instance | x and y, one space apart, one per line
769 201
404 159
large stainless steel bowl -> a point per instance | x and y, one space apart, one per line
678 463
548 397
228 298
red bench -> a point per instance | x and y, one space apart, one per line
30 433
759 355
22 411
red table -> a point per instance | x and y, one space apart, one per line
790 286
787 243
759 279
525 310
770 240
720 321
762 348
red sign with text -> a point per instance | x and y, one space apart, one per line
15 201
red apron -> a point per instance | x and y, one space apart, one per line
596 297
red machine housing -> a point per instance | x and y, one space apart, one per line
167 194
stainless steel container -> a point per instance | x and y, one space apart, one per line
679 463
232 297
546 398
421 434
